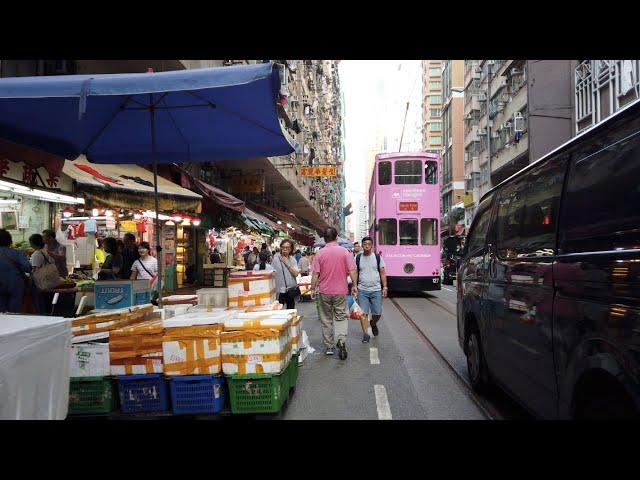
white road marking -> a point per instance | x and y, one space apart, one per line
373 356
452 290
382 403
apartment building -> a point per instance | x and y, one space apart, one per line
601 87
452 166
432 106
310 111
515 111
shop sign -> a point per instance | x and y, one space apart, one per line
128 226
408 206
247 184
318 171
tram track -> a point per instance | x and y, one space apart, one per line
487 408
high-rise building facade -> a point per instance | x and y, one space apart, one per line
452 165
515 111
432 106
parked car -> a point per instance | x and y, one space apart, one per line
549 281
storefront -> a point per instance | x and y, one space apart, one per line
119 200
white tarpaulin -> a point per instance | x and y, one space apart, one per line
34 367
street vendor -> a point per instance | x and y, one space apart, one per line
57 251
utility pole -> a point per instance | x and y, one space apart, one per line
403 125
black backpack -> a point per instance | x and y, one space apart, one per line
377 261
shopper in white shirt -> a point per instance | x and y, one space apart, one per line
263 263
146 267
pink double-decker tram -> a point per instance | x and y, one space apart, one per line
404 208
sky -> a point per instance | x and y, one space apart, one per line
375 99
375 95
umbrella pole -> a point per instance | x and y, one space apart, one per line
155 198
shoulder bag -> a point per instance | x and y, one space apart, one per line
292 292
47 276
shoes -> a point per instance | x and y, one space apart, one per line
374 328
329 351
366 338
342 350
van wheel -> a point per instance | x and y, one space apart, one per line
476 362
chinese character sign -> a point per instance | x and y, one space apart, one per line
247 184
318 171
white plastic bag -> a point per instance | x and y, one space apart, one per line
355 312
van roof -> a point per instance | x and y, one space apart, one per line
568 144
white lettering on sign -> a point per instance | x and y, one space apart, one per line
111 290
412 193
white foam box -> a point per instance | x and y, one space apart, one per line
257 344
247 289
90 360
192 350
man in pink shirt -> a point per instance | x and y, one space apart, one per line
331 266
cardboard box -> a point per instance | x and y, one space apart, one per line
247 289
121 293
90 360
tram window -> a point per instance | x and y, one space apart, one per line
428 229
430 172
408 232
408 172
384 173
388 231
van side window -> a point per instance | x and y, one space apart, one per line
601 207
478 233
528 212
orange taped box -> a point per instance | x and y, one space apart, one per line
192 350
258 343
137 349
248 289
109 321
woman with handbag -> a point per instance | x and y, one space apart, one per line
286 267
45 275
112 265
14 266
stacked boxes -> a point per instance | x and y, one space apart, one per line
247 289
107 321
257 342
137 349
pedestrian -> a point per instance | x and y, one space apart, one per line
304 264
263 264
215 256
14 266
286 267
39 258
330 269
100 255
129 255
298 255
252 259
112 265
356 248
264 248
372 287
57 251
146 266
245 255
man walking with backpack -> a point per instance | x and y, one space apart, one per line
372 286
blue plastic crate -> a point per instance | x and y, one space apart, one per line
197 394
143 393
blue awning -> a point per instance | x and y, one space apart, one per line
200 115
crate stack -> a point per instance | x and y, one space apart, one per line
92 388
257 360
215 275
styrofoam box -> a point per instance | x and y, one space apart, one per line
214 297
90 360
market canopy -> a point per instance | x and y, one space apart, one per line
200 115
121 185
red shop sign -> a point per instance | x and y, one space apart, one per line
408 206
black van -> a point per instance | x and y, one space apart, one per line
549 281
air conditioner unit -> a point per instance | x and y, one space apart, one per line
482 131
518 122
515 71
482 97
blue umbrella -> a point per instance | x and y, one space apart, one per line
198 115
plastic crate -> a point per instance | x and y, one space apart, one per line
91 395
259 393
197 394
293 371
143 393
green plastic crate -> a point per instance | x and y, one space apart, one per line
91 395
259 392
293 371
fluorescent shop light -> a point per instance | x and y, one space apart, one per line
39 194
